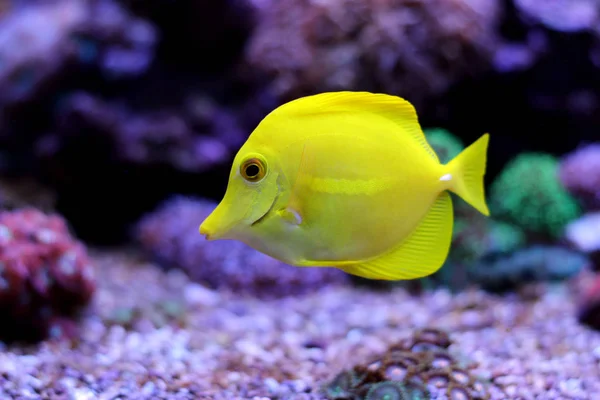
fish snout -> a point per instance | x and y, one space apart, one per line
218 225
204 232
208 231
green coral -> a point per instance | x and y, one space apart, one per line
392 390
473 239
505 271
446 145
529 193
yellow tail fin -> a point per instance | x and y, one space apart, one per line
467 170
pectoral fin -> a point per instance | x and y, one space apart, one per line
420 255
290 216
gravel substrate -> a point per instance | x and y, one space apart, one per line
183 341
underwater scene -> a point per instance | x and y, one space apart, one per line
300 199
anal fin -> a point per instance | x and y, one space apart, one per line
420 255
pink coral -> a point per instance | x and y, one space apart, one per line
45 274
580 174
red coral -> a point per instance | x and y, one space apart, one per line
45 274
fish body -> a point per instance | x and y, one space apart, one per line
348 180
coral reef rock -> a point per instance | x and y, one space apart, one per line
584 235
415 49
509 270
419 367
193 141
171 235
561 15
40 39
45 274
475 237
580 173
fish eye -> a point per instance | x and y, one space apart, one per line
253 170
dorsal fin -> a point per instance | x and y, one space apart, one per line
394 108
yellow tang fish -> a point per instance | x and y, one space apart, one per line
347 180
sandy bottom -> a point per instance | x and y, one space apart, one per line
155 335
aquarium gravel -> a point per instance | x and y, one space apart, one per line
151 334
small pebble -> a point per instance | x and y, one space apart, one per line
244 348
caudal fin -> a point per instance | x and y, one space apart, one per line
467 170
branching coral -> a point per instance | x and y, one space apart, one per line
580 174
418 367
529 194
505 271
401 47
171 235
45 274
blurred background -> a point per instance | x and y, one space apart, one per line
108 107
119 121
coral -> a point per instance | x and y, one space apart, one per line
507 270
390 390
45 273
418 367
529 194
562 15
589 304
193 141
584 235
33 51
171 235
40 39
400 47
475 238
579 172
446 145
115 40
